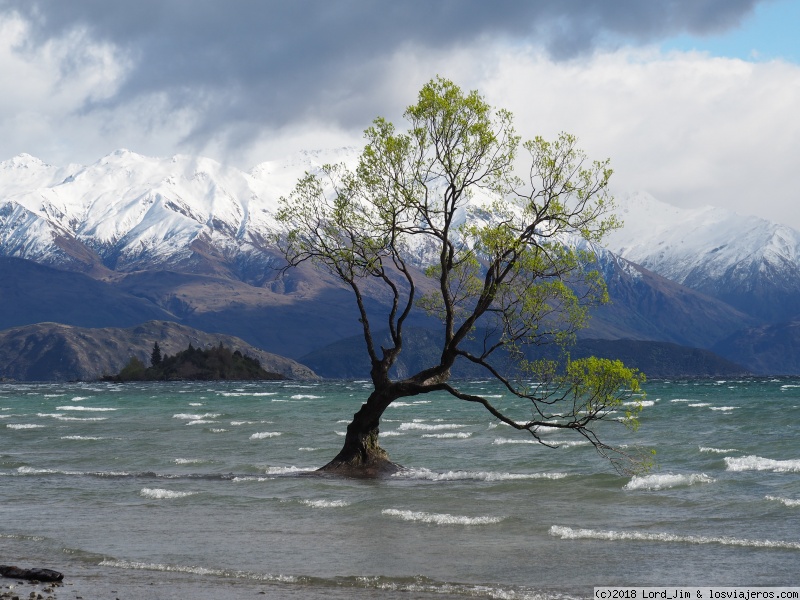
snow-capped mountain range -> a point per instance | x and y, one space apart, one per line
751 263
128 211
688 276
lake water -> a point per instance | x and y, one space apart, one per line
198 490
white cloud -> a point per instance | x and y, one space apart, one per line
689 128
47 87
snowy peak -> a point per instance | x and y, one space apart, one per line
127 211
713 250
132 211
25 172
22 161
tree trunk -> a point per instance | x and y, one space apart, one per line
362 455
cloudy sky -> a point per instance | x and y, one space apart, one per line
694 101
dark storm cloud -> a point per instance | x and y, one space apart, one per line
265 62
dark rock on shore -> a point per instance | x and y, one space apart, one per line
30 574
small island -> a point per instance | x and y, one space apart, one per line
195 364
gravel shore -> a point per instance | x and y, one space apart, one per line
30 590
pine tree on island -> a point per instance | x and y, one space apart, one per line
155 356
503 273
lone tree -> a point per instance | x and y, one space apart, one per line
438 218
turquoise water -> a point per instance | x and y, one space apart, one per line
205 491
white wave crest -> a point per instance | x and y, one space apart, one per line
757 463
426 427
461 435
785 501
699 404
439 518
195 417
255 394
24 426
264 435
568 533
718 450
85 408
189 461
428 475
724 408
288 470
34 471
305 397
124 564
501 441
400 404
82 437
641 403
201 422
569 443
159 494
666 480
325 503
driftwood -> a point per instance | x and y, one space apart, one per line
31 574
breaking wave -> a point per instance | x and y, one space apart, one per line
85 408
400 404
264 435
718 450
785 501
196 417
426 427
425 474
665 481
568 533
757 463
159 494
439 518
325 503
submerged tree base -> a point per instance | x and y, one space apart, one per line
373 469
362 456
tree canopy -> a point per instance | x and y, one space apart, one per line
444 219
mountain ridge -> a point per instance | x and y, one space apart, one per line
58 352
189 239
